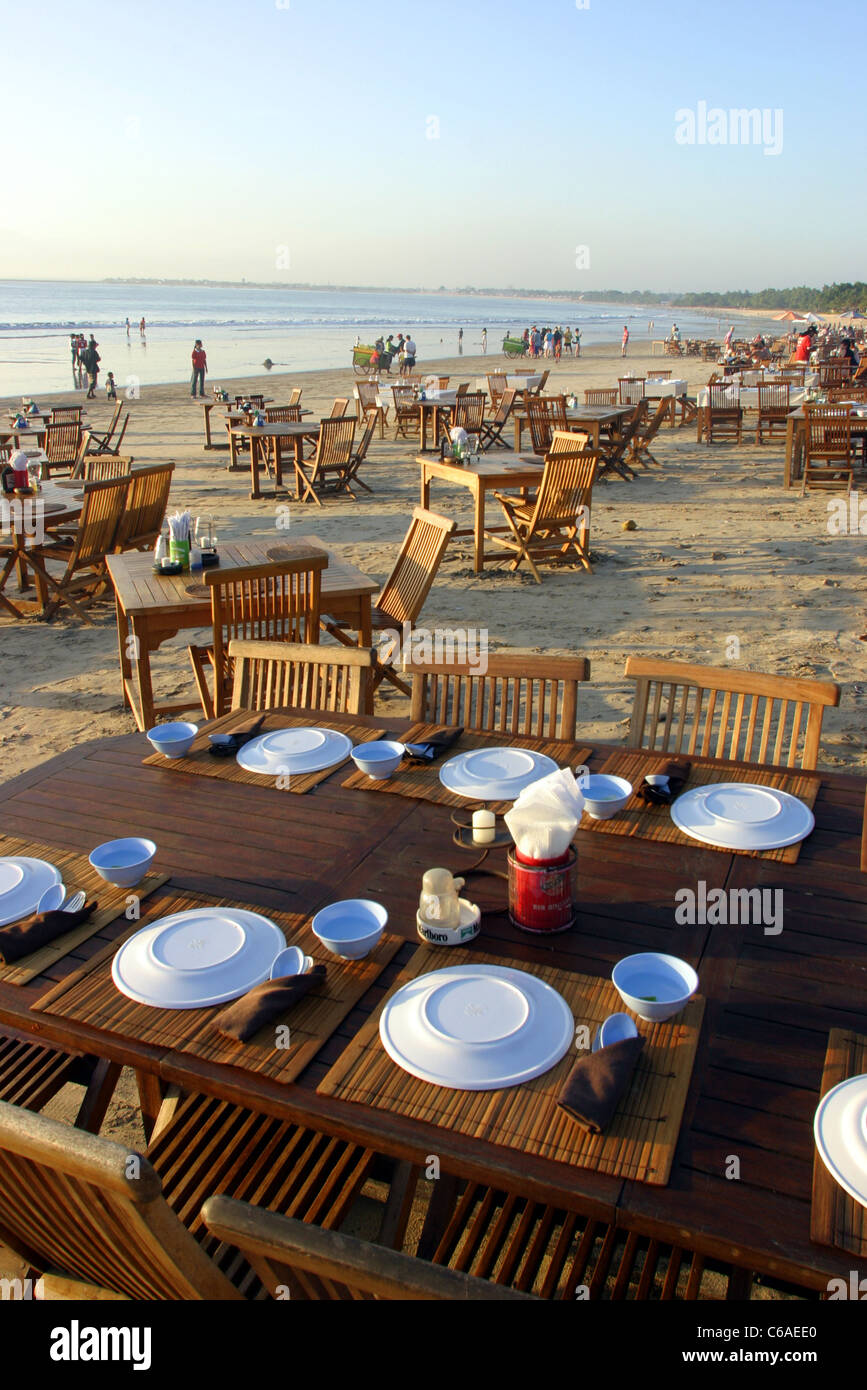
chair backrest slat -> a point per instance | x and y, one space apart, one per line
146 505
403 594
536 696
268 675
83 1206
744 716
273 602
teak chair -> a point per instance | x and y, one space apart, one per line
406 410
827 446
647 429
834 374
60 444
601 397
30 1073
274 602
613 451
367 405
357 458
271 674
98 1221
257 401
631 389
468 412
282 414
323 1265
84 550
60 414
497 384
557 522
530 695
709 711
403 594
97 467
330 466
103 441
295 396
339 407
773 407
491 435
145 509
539 420
722 417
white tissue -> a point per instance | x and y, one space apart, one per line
545 816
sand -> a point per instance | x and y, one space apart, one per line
722 560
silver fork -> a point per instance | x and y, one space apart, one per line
74 902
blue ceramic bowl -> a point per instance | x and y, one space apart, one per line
172 740
350 929
123 862
378 759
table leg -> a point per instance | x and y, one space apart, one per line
278 461
425 487
422 429
254 467
150 1094
138 651
479 538
365 625
790 445
233 453
207 408
123 652
518 432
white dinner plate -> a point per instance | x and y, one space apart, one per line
840 1130
192 959
476 1027
738 815
494 774
308 750
22 883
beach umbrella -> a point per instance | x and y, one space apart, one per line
815 318
789 315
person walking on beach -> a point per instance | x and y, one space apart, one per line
460 342
485 341
200 366
141 326
409 357
127 325
567 341
727 344
558 343
110 387
624 343
91 360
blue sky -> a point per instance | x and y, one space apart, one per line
292 141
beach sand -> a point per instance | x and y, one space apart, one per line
723 560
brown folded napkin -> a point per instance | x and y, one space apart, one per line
237 738
677 771
245 1016
594 1086
34 932
433 747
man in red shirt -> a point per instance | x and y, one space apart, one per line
200 366
804 348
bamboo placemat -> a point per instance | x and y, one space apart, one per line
200 761
423 783
90 996
655 823
835 1217
638 1144
77 873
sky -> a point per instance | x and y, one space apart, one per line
499 143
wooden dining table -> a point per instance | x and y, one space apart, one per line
207 407
24 522
259 436
495 472
796 421
153 607
770 999
592 418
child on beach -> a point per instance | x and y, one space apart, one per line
625 341
110 388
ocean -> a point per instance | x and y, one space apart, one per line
297 329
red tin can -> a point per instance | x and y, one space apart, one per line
541 892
